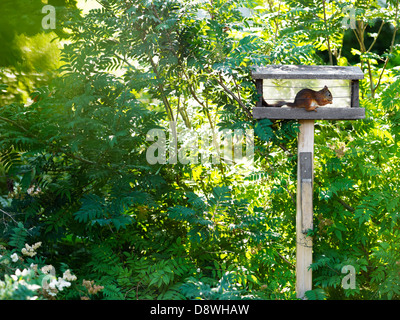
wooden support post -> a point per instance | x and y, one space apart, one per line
305 167
259 87
355 99
304 207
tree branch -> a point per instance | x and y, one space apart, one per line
9 215
60 149
15 124
343 203
376 38
161 87
227 90
327 35
391 47
284 259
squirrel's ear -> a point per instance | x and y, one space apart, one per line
325 87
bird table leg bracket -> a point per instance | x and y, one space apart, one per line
306 189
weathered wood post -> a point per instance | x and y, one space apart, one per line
304 206
278 82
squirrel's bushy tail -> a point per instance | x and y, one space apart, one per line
278 104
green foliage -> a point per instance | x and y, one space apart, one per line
316 294
74 174
26 275
226 289
29 55
18 236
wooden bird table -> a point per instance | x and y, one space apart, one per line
282 82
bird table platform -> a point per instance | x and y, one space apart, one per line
307 93
282 83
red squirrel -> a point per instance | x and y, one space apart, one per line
306 98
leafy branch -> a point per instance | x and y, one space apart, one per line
39 140
235 97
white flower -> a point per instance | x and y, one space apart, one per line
48 269
59 284
22 273
62 283
30 250
68 276
53 283
14 257
37 245
34 191
52 293
32 287
30 190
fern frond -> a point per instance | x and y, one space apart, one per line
19 236
263 130
316 294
